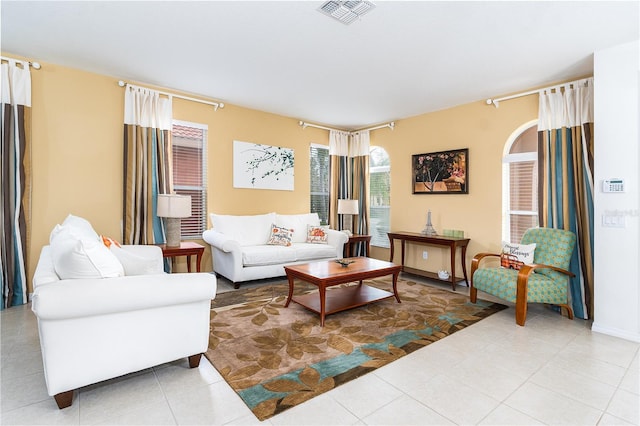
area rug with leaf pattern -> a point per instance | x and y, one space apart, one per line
276 357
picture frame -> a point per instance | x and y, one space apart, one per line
442 172
258 166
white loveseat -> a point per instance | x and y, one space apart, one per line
93 328
240 251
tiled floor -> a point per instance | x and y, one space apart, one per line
553 371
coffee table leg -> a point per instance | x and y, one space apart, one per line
323 293
290 291
395 286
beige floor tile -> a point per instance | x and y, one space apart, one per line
321 410
550 407
505 415
455 400
117 397
213 404
626 406
603 371
490 379
405 411
19 391
41 413
609 420
605 348
149 414
576 386
361 397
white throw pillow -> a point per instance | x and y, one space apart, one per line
519 253
77 258
299 223
134 263
82 228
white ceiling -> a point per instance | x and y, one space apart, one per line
399 60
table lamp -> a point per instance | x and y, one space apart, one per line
347 207
173 207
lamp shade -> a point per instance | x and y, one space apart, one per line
346 206
174 205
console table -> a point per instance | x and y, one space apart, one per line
451 242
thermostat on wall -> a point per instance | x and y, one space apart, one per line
613 185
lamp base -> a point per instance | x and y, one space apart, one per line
172 225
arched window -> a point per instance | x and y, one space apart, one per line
520 183
379 193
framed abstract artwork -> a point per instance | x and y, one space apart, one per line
258 166
444 172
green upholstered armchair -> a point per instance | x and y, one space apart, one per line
545 281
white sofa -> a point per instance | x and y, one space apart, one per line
240 251
94 328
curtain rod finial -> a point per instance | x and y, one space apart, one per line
392 125
36 65
121 83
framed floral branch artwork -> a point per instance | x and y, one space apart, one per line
444 172
258 166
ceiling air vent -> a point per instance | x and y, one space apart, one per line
346 11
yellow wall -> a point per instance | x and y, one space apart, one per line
77 161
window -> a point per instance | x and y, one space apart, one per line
379 192
319 177
189 143
520 183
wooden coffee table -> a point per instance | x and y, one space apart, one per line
329 273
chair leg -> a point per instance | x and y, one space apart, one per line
473 294
521 309
64 399
194 360
569 311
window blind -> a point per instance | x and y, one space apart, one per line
319 177
189 174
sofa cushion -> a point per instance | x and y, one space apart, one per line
138 262
280 236
309 251
298 222
260 255
247 230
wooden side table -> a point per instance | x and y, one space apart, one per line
356 238
187 248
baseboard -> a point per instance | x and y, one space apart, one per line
616 332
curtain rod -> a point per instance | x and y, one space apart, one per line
390 125
495 102
215 105
34 65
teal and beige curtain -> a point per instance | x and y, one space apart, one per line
565 149
349 177
16 180
147 163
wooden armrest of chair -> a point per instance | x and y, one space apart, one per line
475 262
526 270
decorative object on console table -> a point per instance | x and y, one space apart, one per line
348 207
357 238
444 172
173 207
186 248
429 229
